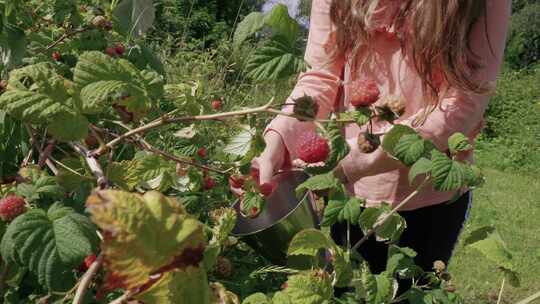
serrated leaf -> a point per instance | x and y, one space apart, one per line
318 183
150 171
187 286
309 242
422 166
458 143
401 261
78 126
104 81
358 116
146 235
247 144
226 220
390 230
448 175
351 211
252 204
251 24
343 268
282 24
310 287
50 244
392 138
12 46
275 60
68 179
135 17
257 298
410 148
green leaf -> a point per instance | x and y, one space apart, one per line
458 143
78 126
50 244
251 24
68 179
148 234
275 60
104 81
135 17
410 148
252 204
375 289
390 230
247 144
309 242
422 166
310 287
332 211
401 261
257 298
12 47
448 175
342 266
351 211
39 187
318 183
187 286
392 138
148 170
282 24
339 148
358 116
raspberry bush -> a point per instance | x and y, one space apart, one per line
122 189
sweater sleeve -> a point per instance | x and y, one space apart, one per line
458 111
321 81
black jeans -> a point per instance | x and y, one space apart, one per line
431 231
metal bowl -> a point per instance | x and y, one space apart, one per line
285 215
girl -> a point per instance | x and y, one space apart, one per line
441 57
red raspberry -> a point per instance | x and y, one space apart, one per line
209 183
254 212
87 263
11 206
312 148
236 181
216 104
201 152
254 173
56 56
363 92
267 189
119 48
110 51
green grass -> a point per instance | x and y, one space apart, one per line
510 202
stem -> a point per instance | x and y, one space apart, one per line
128 294
46 153
92 163
87 279
501 291
34 142
530 299
66 36
383 220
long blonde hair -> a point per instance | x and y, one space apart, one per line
433 33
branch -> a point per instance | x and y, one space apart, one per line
126 296
384 219
34 142
92 163
66 36
86 279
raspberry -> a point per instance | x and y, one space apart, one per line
99 21
110 51
363 93
216 104
312 148
392 106
224 267
201 152
254 173
119 48
254 212
267 189
56 56
305 106
368 143
11 206
87 263
209 183
236 181
439 266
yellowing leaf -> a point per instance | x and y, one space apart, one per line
145 235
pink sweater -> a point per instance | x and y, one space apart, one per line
377 177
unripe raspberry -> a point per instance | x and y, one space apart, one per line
56 56
368 143
224 267
254 212
305 106
312 148
393 104
201 152
102 23
363 93
216 104
439 266
11 206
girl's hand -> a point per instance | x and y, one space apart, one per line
270 161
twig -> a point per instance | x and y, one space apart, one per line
383 220
126 296
34 142
93 164
66 36
501 291
45 155
87 279
530 299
